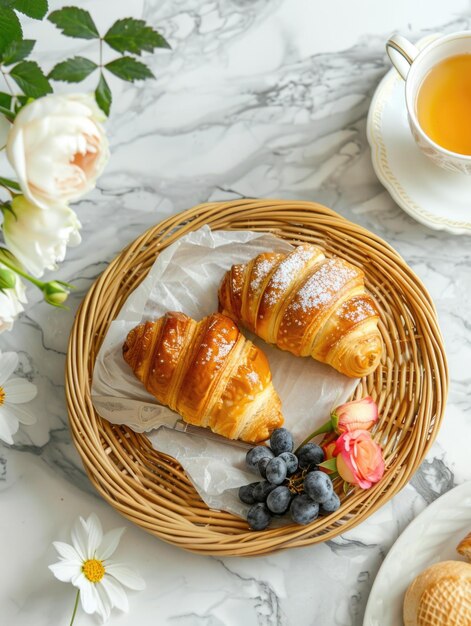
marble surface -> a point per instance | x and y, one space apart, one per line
258 98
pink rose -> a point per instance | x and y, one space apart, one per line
359 459
359 414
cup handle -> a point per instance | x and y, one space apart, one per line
401 53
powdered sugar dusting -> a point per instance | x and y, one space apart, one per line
358 310
260 271
286 272
320 287
253 377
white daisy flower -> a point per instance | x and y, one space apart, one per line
12 393
86 565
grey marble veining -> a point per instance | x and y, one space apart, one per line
257 99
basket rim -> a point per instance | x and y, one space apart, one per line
125 490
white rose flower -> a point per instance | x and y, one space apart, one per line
38 238
58 148
11 303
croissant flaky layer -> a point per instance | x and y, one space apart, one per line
308 305
208 373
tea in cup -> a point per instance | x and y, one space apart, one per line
438 96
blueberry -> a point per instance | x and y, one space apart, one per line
246 493
261 490
303 510
279 499
330 505
262 466
310 454
318 486
276 471
281 440
255 454
258 516
291 461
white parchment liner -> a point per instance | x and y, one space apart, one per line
186 277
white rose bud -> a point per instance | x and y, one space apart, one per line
11 299
38 238
58 148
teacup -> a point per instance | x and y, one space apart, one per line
413 66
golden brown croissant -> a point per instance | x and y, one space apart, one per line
208 372
307 304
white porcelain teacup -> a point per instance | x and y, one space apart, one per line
413 65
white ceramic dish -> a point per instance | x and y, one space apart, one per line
435 197
431 537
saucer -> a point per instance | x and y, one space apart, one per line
434 197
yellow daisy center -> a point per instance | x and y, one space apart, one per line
2 395
93 570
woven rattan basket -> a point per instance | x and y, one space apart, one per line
410 385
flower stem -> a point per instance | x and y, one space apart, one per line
75 607
325 428
7 83
17 270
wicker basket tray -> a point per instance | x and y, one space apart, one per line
410 385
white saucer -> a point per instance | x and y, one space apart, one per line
431 195
431 537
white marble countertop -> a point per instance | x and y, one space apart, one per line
258 98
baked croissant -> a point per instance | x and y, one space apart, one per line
208 372
307 304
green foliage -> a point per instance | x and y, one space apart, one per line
30 79
73 70
103 95
10 28
11 184
17 50
74 22
129 69
127 36
36 9
134 36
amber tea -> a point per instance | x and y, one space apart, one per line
443 104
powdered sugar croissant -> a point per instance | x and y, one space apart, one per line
208 372
308 305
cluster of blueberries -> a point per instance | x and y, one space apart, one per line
285 473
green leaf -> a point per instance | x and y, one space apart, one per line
103 95
17 50
74 22
330 464
30 78
5 100
6 182
135 36
10 28
129 69
73 70
7 113
36 9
